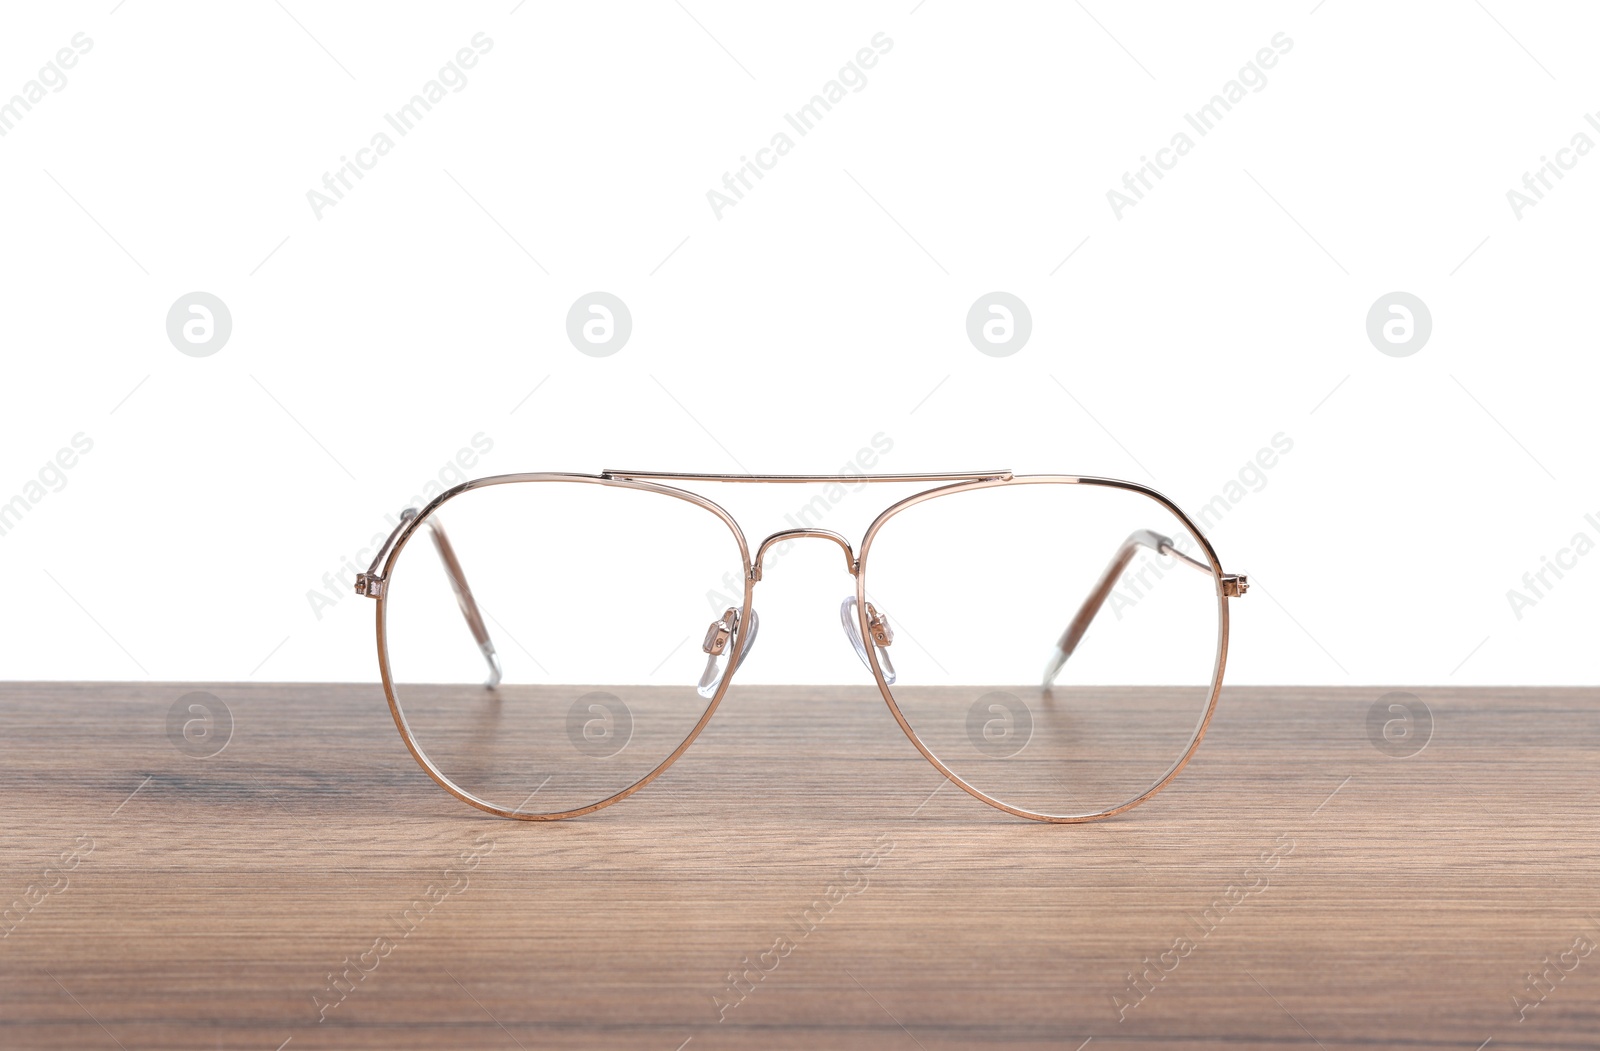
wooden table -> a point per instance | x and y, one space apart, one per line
181 901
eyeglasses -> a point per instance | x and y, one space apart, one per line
607 615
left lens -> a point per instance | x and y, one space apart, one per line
594 599
1056 644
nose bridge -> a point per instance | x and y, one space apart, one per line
783 535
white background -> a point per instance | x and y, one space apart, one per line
1168 345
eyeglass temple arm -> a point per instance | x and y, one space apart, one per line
1102 591
464 599
369 583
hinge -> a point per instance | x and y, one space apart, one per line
369 584
1234 585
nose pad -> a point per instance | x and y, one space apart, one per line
882 635
724 631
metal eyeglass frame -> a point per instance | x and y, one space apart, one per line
737 626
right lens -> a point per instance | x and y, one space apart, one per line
985 588
595 599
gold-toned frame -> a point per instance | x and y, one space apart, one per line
373 581
1220 663
373 584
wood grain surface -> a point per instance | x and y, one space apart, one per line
802 878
